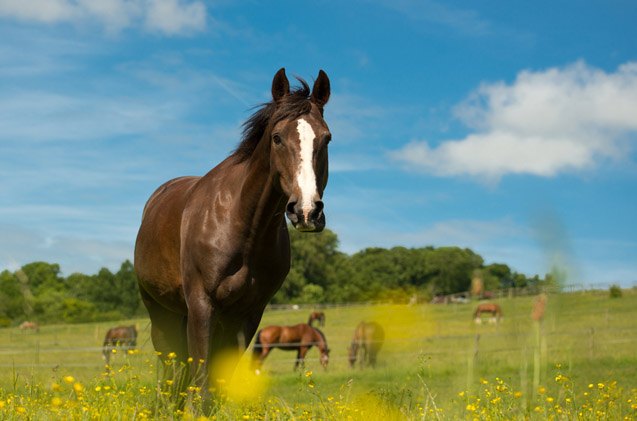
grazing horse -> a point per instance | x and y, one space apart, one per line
212 250
489 308
318 316
27 325
299 338
120 336
368 338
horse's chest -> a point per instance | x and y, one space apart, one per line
251 285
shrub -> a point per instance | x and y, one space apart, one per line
615 291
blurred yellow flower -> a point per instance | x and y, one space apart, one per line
69 379
56 401
78 387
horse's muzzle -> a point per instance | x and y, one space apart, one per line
303 220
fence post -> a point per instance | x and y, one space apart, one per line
536 358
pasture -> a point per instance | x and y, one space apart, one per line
436 363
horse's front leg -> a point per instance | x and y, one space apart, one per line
201 322
300 357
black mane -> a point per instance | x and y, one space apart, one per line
290 106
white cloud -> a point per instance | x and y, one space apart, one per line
170 17
543 124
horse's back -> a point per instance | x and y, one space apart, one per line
157 249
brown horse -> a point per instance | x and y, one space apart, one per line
489 308
317 316
27 325
120 336
368 338
212 250
299 338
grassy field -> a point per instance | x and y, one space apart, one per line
581 362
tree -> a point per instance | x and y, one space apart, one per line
450 269
12 302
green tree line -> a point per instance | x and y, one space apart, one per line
319 273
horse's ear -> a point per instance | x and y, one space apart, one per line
321 89
280 85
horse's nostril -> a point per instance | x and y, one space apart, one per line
290 208
318 207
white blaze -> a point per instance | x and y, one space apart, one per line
305 176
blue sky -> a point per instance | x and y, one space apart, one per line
506 127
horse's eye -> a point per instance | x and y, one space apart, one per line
276 139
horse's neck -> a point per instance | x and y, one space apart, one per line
320 341
262 203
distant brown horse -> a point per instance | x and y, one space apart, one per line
317 316
489 308
368 339
27 325
212 251
120 336
299 338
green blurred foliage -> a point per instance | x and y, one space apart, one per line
319 273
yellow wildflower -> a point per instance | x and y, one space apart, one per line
56 401
78 387
69 379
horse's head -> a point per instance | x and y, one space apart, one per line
298 157
325 358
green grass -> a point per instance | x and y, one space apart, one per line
436 363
